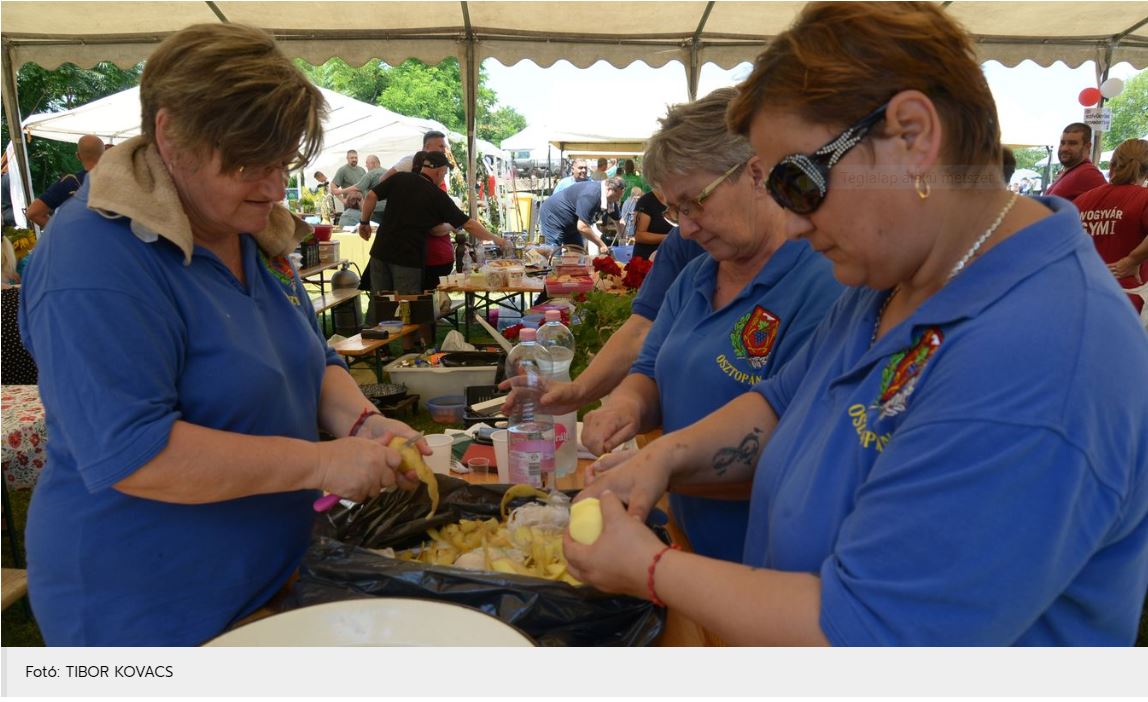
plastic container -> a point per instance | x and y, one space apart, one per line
532 320
322 232
481 393
530 442
430 382
557 338
569 284
448 409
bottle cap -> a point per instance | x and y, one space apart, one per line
527 334
553 316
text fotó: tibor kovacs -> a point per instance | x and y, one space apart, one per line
104 671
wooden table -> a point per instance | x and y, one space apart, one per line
326 300
357 348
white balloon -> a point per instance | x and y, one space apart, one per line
1111 87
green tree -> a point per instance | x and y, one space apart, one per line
417 89
365 83
1027 158
1129 112
67 87
420 90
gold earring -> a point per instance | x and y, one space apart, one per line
922 193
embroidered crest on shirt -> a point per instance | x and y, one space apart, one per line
753 336
280 267
899 378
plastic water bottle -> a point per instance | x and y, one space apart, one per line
557 338
530 434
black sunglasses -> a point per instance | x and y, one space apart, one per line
799 183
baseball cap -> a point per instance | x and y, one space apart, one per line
436 159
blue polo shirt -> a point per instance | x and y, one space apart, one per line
562 210
980 475
702 358
128 339
673 255
58 192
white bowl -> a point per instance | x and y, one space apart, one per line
377 622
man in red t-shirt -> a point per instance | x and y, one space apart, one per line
1079 174
1116 216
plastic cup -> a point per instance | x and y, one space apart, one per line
479 465
501 454
439 460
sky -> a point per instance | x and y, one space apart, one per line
1034 102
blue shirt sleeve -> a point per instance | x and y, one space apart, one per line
127 377
59 192
664 322
673 255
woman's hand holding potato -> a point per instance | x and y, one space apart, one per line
617 560
358 468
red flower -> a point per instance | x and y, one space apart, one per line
636 271
606 265
511 333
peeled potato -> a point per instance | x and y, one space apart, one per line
586 521
413 460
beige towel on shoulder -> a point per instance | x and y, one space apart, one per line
131 181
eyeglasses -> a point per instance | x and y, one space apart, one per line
799 183
693 208
249 174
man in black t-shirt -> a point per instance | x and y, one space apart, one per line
415 205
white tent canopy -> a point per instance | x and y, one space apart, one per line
724 32
350 124
694 32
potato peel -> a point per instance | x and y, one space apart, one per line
413 460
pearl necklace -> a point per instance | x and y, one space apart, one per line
960 266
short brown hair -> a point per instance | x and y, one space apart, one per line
229 87
1129 163
841 60
693 138
1080 128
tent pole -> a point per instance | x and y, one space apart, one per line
692 70
470 83
15 121
1102 66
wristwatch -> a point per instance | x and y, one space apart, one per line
368 223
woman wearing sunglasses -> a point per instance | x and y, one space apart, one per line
951 459
731 318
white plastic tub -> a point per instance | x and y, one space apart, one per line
429 383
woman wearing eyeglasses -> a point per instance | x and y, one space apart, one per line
183 373
951 459
731 318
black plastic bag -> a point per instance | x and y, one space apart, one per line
552 613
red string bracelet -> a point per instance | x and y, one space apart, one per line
650 576
368 412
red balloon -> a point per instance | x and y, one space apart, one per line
1089 96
